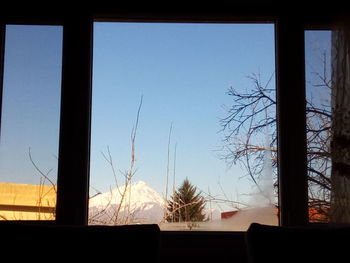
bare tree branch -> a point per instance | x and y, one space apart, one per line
254 111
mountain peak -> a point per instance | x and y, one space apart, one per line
141 183
137 200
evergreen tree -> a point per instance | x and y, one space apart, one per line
186 205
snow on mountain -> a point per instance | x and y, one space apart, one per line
138 203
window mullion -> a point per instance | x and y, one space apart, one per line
74 146
291 105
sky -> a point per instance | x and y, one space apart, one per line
317 54
182 72
31 103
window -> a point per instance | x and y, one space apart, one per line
30 122
327 125
165 109
73 172
319 122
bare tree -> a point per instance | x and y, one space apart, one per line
252 118
44 179
319 134
251 115
124 192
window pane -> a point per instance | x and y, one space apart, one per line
319 121
166 144
30 122
329 124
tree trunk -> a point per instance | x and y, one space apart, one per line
340 147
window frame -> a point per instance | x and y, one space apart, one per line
75 123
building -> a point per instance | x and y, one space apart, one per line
27 202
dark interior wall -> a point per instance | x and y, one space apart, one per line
203 247
57 12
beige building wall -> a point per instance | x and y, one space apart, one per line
27 202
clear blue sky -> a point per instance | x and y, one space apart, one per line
31 102
317 53
182 71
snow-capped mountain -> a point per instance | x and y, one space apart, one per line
138 203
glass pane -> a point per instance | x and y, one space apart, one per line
329 124
319 121
166 144
30 122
